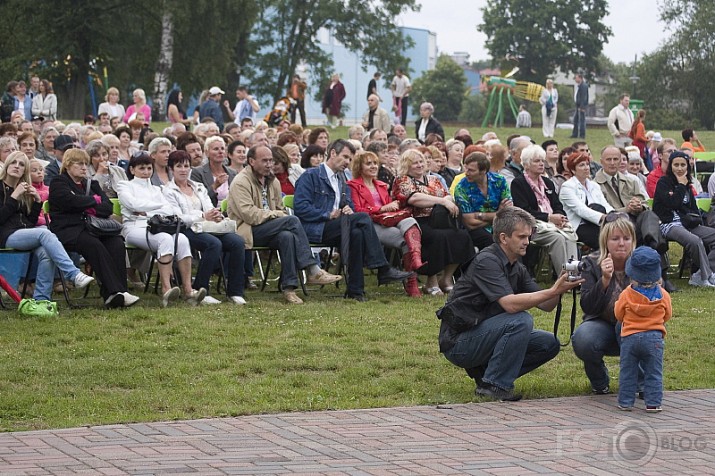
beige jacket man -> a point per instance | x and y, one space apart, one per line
381 118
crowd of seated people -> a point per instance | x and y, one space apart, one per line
432 200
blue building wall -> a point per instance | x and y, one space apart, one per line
423 56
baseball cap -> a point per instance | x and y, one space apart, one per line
64 142
216 90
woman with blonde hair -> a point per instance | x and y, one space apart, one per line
443 249
20 206
73 197
112 105
139 105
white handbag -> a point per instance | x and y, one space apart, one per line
222 227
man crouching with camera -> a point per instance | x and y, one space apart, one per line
485 327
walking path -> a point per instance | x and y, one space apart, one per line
574 435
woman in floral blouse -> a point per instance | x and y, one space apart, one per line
443 249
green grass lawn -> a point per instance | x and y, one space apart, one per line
92 366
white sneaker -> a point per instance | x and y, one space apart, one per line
196 296
130 299
237 300
82 280
208 300
697 280
711 279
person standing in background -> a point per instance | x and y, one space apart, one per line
372 85
620 121
333 100
401 89
581 100
549 100
297 92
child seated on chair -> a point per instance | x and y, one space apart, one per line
642 308
37 176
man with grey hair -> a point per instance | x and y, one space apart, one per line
427 124
486 328
376 117
159 150
513 165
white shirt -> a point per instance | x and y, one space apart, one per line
335 183
422 129
399 86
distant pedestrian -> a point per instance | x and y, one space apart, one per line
372 85
581 100
333 100
523 120
297 92
401 89
549 100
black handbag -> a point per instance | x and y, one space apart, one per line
98 226
102 226
170 224
442 219
691 220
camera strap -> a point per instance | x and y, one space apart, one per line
557 318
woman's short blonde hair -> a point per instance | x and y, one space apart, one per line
407 159
74 156
140 92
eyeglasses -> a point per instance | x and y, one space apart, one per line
613 216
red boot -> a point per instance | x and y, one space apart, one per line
412 288
413 240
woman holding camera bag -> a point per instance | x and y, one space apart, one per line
443 249
71 203
140 201
192 203
681 220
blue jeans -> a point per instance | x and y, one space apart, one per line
643 350
211 248
579 124
48 252
506 346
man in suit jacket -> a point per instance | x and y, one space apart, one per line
323 203
623 193
581 100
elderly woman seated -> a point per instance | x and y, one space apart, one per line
537 195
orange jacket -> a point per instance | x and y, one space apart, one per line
639 314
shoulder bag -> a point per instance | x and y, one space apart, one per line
100 226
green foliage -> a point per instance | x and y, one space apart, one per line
473 108
286 37
545 34
443 86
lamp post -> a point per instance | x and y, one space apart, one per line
634 77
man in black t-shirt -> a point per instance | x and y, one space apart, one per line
486 328
372 85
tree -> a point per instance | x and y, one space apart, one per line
443 86
286 36
689 57
543 35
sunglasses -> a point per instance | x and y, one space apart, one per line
613 216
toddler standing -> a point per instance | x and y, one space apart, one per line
642 308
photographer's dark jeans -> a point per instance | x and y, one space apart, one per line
507 345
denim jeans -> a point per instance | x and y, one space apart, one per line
641 350
579 124
212 247
506 346
48 252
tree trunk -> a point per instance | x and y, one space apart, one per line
163 65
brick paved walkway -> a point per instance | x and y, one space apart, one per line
577 435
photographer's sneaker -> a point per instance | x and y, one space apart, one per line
601 391
496 393
82 280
